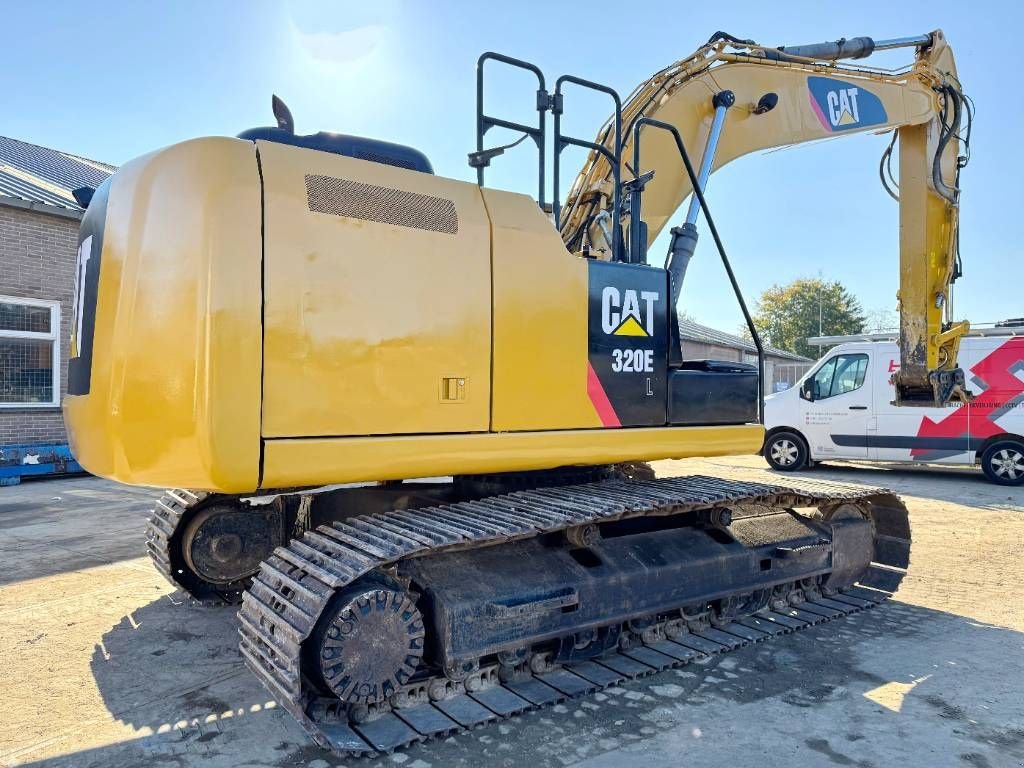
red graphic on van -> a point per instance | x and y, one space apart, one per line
1004 389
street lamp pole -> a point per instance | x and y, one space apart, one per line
820 284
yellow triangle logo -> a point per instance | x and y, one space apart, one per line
846 119
630 327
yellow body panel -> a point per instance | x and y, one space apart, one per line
322 461
364 319
540 322
174 397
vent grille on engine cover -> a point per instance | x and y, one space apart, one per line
356 200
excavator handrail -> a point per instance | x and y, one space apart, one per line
480 159
715 236
614 156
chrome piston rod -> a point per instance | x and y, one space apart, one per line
847 48
722 102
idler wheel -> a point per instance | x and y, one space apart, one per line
369 643
224 544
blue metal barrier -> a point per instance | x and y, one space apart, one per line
32 460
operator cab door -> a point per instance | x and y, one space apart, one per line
837 407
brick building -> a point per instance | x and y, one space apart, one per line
39 221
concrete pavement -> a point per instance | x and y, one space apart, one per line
105 665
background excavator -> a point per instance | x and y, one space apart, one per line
413 413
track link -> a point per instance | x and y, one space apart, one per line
164 523
296 583
176 507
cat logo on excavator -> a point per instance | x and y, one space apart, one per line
621 313
842 106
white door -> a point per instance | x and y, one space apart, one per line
838 401
912 433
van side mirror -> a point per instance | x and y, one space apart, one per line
807 390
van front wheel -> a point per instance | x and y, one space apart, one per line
785 451
1003 462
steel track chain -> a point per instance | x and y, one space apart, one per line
295 584
175 507
403 727
163 523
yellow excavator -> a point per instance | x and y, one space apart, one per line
413 414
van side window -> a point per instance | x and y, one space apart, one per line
840 374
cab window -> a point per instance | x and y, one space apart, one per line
839 375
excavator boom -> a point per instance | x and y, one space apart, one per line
733 97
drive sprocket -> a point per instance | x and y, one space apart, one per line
370 643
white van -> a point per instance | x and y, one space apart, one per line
842 409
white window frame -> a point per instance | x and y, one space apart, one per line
53 335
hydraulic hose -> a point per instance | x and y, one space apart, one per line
949 130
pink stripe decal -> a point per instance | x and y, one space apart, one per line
599 398
817 110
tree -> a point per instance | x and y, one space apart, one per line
787 315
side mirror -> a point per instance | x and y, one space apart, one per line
808 390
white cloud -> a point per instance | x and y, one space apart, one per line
344 47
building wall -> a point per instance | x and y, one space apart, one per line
696 350
786 373
37 261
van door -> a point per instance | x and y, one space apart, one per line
910 433
995 374
838 396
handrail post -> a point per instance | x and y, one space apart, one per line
613 157
485 122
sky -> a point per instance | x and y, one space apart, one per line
111 81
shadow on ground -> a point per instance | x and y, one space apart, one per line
62 525
832 694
